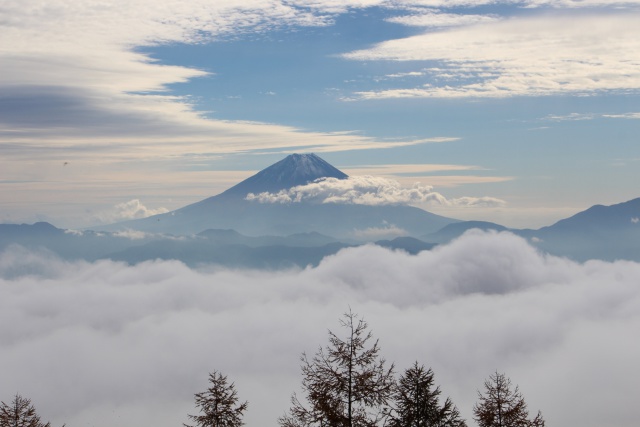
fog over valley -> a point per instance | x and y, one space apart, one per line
104 343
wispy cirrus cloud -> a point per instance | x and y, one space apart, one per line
438 175
74 80
72 76
435 18
523 56
368 190
590 116
632 116
574 4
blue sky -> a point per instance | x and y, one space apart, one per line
114 110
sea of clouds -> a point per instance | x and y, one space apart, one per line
103 344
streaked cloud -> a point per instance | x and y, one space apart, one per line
438 175
521 56
582 3
570 117
434 18
590 116
520 3
388 231
402 75
634 116
74 82
368 190
407 168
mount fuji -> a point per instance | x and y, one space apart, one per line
232 210
230 230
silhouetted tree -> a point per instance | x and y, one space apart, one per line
218 405
346 384
502 406
538 421
20 413
416 402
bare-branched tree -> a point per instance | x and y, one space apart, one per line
20 413
416 402
346 384
218 405
503 406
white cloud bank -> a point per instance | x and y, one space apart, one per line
521 56
106 344
368 190
133 209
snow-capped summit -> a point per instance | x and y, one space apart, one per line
295 169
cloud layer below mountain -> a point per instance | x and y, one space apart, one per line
368 190
108 344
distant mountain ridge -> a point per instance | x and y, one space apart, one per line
619 216
219 248
600 232
230 220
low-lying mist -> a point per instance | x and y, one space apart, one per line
103 344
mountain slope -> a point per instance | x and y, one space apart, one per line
600 232
230 210
622 217
296 169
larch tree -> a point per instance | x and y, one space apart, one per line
416 402
346 384
20 413
218 405
502 406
